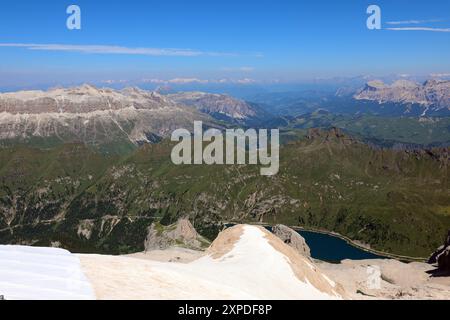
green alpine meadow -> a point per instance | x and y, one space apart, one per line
395 201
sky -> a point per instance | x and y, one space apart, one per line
239 41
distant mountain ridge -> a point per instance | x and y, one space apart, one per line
220 106
82 99
432 95
117 121
103 118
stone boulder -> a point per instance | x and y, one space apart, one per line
180 234
443 261
442 256
292 238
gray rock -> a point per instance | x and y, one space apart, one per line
442 256
433 94
180 234
443 260
215 104
92 115
292 238
433 258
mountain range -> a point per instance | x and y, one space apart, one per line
220 106
433 95
74 197
113 121
117 121
89 169
399 98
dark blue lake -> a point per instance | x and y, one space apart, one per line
333 249
329 248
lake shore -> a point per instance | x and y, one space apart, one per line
354 243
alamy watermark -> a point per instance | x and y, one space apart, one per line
74 20
228 148
374 20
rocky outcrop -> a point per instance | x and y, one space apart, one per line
243 263
387 279
292 238
80 100
433 95
97 117
334 136
443 261
216 104
180 234
442 256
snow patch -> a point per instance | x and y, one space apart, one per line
250 269
29 273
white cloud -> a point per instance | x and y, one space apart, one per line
246 81
114 81
241 69
413 21
419 29
187 80
104 49
439 75
153 81
183 81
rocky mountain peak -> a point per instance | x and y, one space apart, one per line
442 257
404 84
334 132
216 104
86 88
433 95
182 234
374 85
82 99
92 115
434 82
292 238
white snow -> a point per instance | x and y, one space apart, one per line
29 273
253 270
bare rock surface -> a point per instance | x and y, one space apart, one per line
444 261
433 94
92 115
215 104
244 262
181 234
388 279
292 238
172 254
442 257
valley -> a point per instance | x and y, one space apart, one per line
395 201
89 170
229 150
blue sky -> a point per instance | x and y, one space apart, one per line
285 40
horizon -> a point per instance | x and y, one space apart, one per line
229 43
189 149
207 85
